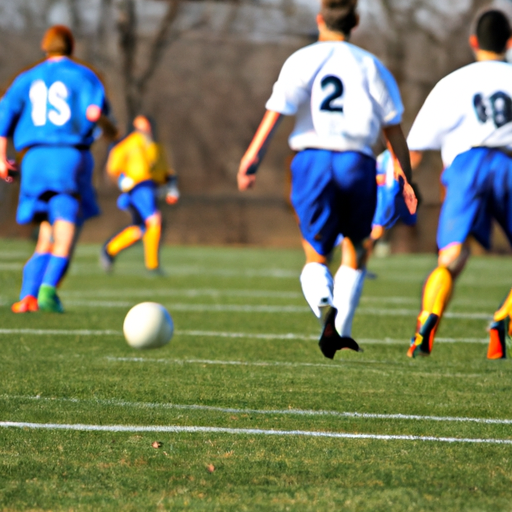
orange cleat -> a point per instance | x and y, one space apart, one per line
499 341
26 305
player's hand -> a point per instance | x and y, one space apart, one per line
245 181
7 165
410 198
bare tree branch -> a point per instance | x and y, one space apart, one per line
158 46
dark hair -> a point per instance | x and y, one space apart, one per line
493 31
339 15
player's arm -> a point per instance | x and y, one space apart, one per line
95 115
257 148
398 146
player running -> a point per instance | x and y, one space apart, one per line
139 165
51 111
343 98
468 116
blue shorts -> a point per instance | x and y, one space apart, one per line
49 174
88 202
333 193
391 206
478 189
141 201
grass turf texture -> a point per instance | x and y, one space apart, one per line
245 356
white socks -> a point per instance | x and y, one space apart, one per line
317 285
348 286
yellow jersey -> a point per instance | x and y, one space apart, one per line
139 158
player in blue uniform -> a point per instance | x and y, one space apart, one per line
51 111
391 206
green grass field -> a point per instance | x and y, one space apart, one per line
249 414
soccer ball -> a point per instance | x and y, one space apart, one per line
148 325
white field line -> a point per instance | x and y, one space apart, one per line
63 332
221 334
275 412
175 429
242 308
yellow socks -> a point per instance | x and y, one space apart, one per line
151 240
437 292
124 239
505 309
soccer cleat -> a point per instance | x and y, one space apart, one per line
423 340
156 272
26 305
48 300
500 339
330 341
106 260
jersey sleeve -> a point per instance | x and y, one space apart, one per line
290 90
11 106
434 120
117 158
385 92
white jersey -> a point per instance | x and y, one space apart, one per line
471 107
341 96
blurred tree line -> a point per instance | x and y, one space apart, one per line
204 69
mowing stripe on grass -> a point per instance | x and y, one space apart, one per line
217 292
245 308
286 412
175 429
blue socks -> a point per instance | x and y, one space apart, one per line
55 270
33 272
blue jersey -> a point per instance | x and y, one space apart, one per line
46 105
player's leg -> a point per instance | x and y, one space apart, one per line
463 213
33 271
436 294
500 342
64 212
355 179
316 281
348 284
313 198
500 332
124 238
119 242
151 241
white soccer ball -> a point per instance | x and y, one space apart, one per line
148 325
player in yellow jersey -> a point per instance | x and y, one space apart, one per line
138 163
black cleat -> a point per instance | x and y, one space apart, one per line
106 260
330 341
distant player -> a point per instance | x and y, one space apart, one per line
343 98
391 206
139 165
51 111
468 116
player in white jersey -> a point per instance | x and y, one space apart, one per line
343 98
468 116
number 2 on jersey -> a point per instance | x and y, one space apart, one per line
331 80
55 95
